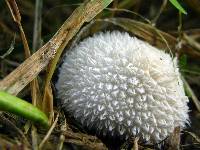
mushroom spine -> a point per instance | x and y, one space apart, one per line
118 85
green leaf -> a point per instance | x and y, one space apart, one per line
22 108
178 6
183 61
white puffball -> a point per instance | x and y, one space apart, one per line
119 85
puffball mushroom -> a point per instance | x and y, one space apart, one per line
119 85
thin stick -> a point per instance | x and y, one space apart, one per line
135 145
191 42
63 128
34 138
49 132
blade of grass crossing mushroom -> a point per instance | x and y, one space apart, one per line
97 5
22 108
31 67
88 10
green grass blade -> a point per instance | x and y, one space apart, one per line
178 6
22 108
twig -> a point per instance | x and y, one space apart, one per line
61 141
135 145
49 132
34 138
194 136
62 137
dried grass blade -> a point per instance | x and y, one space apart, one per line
152 35
17 18
12 5
31 67
194 136
49 132
47 103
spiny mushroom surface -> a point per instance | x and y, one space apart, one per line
119 85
